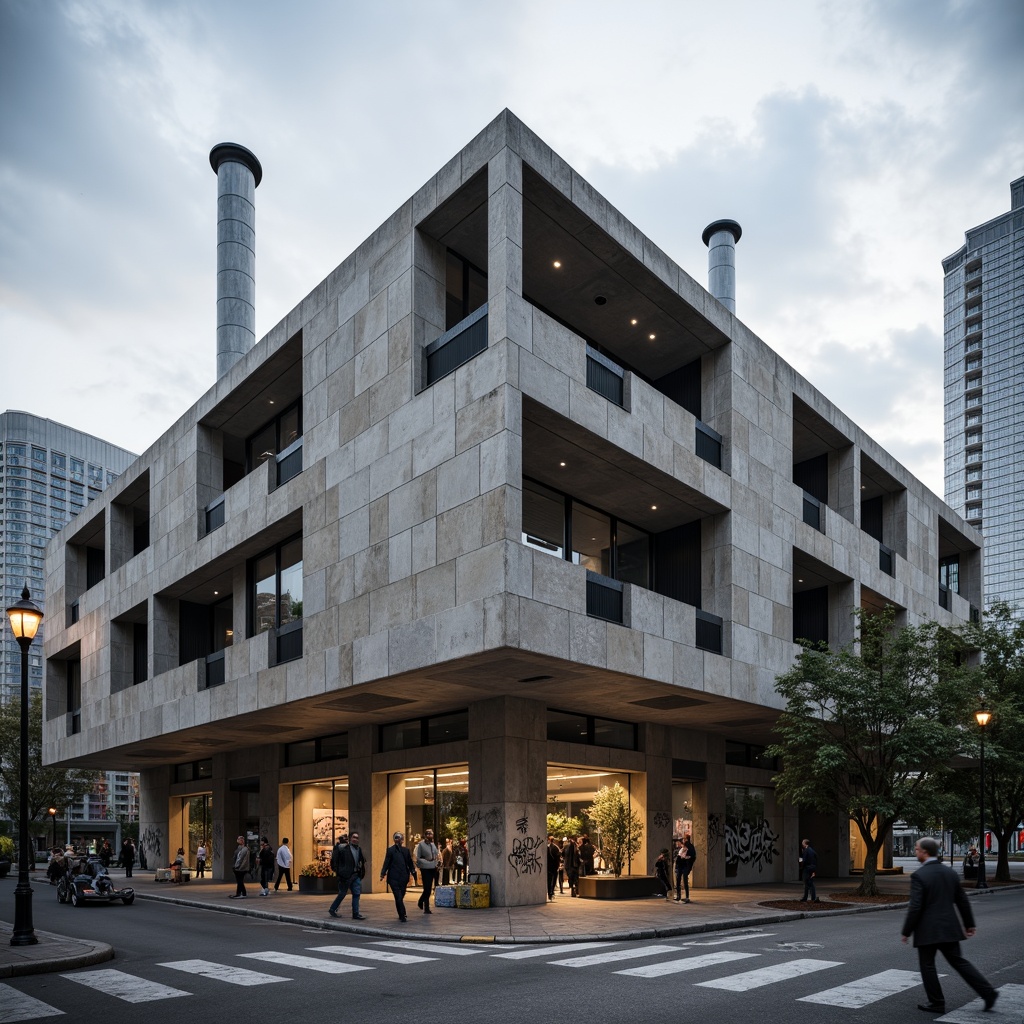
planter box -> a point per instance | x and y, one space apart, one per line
321 885
625 887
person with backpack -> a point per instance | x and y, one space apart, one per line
349 864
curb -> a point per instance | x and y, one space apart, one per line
98 954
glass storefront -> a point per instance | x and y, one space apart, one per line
319 817
434 798
570 792
196 827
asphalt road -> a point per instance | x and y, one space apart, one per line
175 964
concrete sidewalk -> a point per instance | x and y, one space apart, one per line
565 920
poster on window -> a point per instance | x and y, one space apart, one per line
328 825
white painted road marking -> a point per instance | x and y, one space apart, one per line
451 948
1009 1004
614 956
125 986
15 1006
769 975
381 955
307 963
567 947
865 991
690 963
223 972
728 940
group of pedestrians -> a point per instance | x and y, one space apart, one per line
680 865
266 860
568 862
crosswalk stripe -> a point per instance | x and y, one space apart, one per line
690 963
769 975
15 1006
307 963
614 956
728 940
566 947
1010 1002
865 991
381 955
224 972
125 986
451 948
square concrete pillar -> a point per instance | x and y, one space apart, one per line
153 808
507 827
360 798
709 827
504 241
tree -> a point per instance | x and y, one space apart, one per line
998 682
870 730
620 828
562 825
48 786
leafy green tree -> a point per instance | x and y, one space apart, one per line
48 786
560 825
870 730
998 682
621 829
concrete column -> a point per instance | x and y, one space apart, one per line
657 802
844 483
154 784
508 798
504 241
360 798
709 820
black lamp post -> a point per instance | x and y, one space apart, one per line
983 718
52 812
24 618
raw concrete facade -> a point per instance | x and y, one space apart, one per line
435 452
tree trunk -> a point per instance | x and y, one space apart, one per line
873 844
1003 856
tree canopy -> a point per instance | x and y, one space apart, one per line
48 786
620 828
871 730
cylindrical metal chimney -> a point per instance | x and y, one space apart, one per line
238 174
721 237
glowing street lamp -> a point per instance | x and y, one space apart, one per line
24 618
982 717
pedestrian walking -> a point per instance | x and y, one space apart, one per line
571 864
106 853
934 892
554 863
240 865
398 869
971 863
427 858
266 861
661 873
686 857
587 852
349 863
284 865
200 859
127 857
447 862
809 869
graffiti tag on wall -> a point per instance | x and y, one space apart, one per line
525 857
747 843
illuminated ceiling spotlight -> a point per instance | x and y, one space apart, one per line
557 264
651 336
633 321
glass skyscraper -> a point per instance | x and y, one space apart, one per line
984 393
48 474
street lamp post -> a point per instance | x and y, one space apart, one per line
24 618
983 718
53 826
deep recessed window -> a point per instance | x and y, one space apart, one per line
326 748
193 770
275 596
569 727
465 289
422 732
274 437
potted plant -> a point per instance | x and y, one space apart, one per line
318 877
6 855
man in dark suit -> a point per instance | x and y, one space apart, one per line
934 891
398 869
809 867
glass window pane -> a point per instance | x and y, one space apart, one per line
263 446
609 733
477 290
454 294
334 746
223 625
567 727
290 427
400 735
265 594
632 555
591 539
443 728
291 593
303 752
543 519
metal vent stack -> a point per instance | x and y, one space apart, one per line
721 237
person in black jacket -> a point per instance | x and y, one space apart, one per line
571 864
554 863
685 858
349 864
934 892
809 867
398 869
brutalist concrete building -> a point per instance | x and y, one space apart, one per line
509 508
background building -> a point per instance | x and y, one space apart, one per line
49 473
508 508
984 407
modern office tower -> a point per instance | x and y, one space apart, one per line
984 408
507 509
48 474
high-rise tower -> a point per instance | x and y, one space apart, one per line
984 405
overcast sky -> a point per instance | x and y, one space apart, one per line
855 142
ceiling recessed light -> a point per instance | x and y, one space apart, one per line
561 463
557 264
216 592
799 581
654 508
633 321
651 336
271 402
